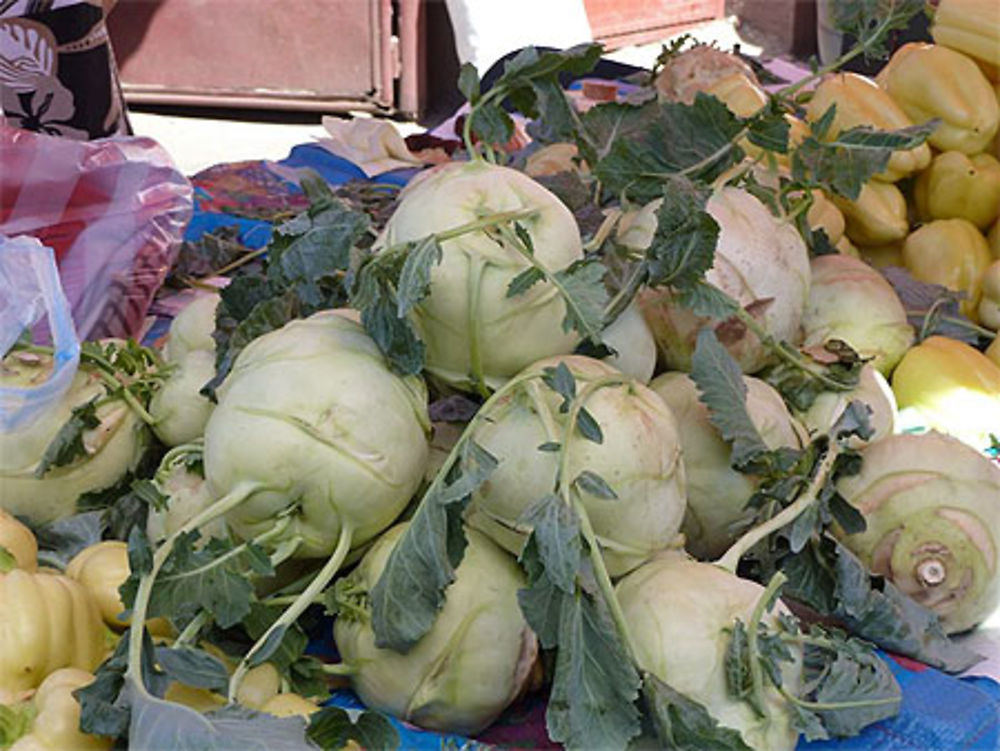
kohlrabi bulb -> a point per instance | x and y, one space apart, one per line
112 448
760 261
932 508
639 458
872 390
680 613
472 330
472 663
716 493
311 416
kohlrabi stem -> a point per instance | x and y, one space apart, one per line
604 231
571 305
113 384
572 499
731 558
818 706
340 668
292 613
474 288
283 600
467 125
793 88
711 158
785 353
756 672
191 631
141 605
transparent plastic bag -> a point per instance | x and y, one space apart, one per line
31 294
113 210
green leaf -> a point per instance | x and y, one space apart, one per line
410 591
62 539
193 667
592 483
159 724
492 124
213 577
415 278
67 446
396 337
696 140
595 686
843 164
292 645
589 427
606 124
705 299
870 21
140 555
332 728
856 677
769 130
541 601
468 82
561 380
525 281
549 446
103 708
684 724
556 533
683 246
723 390
270 646
584 293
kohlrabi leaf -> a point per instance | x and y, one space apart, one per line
605 124
582 287
103 707
415 276
530 82
594 688
59 541
524 281
855 678
286 653
723 390
556 534
931 308
468 82
843 164
67 445
213 577
694 140
193 667
870 21
769 129
684 724
306 268
593 484
683 246
410 591
332 728
156 723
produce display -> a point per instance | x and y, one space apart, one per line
675 417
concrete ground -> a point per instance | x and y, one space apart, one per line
197 141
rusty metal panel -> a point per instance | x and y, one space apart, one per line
621 22
293 53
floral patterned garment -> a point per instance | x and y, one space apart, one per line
57 70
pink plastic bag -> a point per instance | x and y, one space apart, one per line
114 211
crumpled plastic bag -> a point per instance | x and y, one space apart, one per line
114 212
31 294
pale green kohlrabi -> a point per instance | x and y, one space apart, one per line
312 422
851 301
760 261
716 493
680 612
632 341
639 458
179 409
474 332
873 390
187 495
111 448
476 659
932 508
